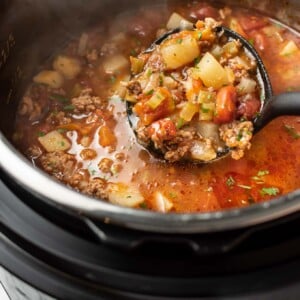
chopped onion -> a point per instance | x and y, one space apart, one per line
115 63
177 21
54 141
246 86
289 49
203 151
124 195
162 203
209 130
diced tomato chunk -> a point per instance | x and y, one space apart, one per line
249 108
148 115
164 129
253 22
259 41
200 11
225 105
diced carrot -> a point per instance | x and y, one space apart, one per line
106 136
225 105
148 115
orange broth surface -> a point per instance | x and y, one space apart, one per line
269 169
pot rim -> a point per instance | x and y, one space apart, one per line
46 188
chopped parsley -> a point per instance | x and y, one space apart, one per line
150 92
270 191
61 130
149 72
41 133
240 135
133 52
179 41
172 195
196 61
205 110
144 205
112 79
292 132
251 41
230 181
180 123
69 107
199 35
161 80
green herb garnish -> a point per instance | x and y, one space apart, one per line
144 205
172 195
230 181
196 61
271 191
41 133
150 92
180 123
251 41
292 132
61 130
69 107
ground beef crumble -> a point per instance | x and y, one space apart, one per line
85 102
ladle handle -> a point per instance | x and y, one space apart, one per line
286 104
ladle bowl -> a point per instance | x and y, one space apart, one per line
272 106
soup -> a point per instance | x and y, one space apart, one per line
72 121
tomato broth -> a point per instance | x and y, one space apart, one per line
72 121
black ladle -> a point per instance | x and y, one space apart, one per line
272 106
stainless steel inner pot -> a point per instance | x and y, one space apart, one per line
28 31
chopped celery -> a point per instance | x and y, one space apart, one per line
158 97
188 111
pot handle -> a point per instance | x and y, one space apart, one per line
199 244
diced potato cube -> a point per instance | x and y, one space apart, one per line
207 111
124 195
188 111
68 66
289 49
54 141
231 48
51 78
115 64
137 65
178 52
177 21
211 72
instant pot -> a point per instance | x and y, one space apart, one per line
58 244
